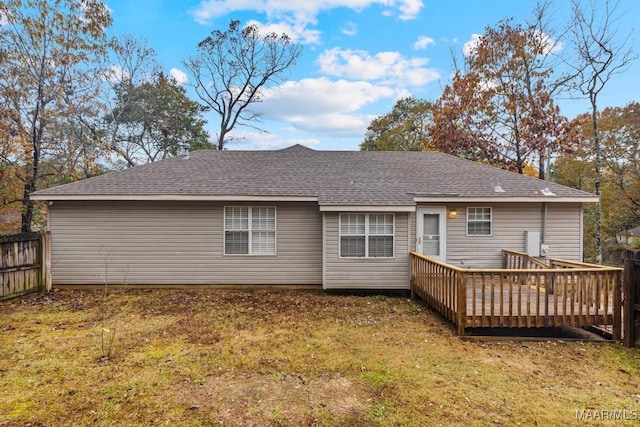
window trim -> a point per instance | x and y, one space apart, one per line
250 230
366 235
490 221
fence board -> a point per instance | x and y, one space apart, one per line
22 269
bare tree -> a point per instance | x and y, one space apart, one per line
231 68
602 51
132 63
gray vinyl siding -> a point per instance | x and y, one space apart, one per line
510 221
564 233
172 243
366 273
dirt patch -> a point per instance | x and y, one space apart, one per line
267 399
194 330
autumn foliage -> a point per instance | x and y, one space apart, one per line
619 130
500 110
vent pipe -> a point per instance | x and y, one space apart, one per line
184 150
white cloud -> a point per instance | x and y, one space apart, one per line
322 96
409 9
423 42
115 74
325 106
267 141
298 30
353 125
208 10
4 19
551 46
350 29
470 46
385 67
179 75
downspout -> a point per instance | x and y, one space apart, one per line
582 232
543 231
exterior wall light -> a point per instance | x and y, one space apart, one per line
453 213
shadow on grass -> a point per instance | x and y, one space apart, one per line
546 333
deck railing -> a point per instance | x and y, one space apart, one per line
570 294
516 260
442 286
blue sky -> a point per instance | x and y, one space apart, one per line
359 56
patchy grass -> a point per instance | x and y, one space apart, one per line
255 357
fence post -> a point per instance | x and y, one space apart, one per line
631 306
46 260
618 309
41 257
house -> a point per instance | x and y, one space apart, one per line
299 216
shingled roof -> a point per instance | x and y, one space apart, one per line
331 177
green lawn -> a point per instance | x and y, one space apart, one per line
256 357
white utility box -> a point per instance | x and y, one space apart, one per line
532 242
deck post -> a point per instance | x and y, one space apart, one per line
412 272
462 303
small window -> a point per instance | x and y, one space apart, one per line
249 230
479 221
366 235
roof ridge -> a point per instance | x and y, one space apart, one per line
295 147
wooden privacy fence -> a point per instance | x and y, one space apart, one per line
631 314
25 264
569 294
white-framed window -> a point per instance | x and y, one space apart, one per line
479 221
249 230
366 235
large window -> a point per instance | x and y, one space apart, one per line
249 230
366 235
479 221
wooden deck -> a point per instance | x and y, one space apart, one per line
564 293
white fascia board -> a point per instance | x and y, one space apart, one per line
537 199
367 208
169 197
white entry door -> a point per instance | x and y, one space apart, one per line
431 232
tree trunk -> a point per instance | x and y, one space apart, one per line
33 165
31 172
221 136
27 209
598 177
541 165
